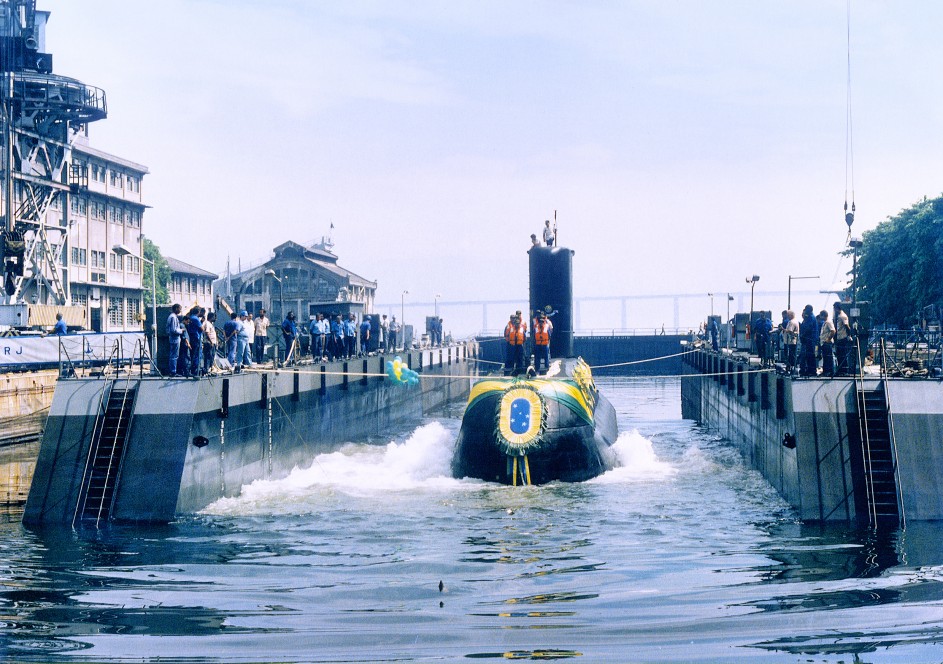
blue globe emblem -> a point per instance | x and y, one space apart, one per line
520 416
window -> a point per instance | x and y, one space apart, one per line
98 259
132 183
134 311
98 277
115 214
134 265
80 299
116 312
98 172
57 202
98 210
115 262
78 205
79 256
134 218
116 178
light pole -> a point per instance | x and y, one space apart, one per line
402 308
789 291
752 281
437 296
729 326
122 250
281 306
281 292
711 296
854 243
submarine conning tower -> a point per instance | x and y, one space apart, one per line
551 291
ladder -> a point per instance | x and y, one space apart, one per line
105 455
879 458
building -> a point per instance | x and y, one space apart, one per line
189 285
306 280
104 213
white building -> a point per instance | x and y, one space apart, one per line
189 285
104 210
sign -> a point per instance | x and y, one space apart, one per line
34 351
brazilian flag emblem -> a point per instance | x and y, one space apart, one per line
520 420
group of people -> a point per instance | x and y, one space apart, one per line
803 343
515 337
549 236
339 337
192 338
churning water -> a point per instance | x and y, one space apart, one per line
373 553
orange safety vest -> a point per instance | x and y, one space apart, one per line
542 333
514 334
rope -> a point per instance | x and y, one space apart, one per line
651 359
849 134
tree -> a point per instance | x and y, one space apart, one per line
900 264
152 253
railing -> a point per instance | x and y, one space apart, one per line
893 435
70 367
907 353
613 332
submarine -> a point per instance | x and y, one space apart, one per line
538 428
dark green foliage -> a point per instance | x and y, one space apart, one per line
152 253
900 265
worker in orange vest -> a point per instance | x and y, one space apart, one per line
543 328
514 334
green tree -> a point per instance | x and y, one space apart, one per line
152 253
900 264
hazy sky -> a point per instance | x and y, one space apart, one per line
684 144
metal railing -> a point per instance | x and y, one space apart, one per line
907 353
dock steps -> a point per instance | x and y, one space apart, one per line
879 459
105 455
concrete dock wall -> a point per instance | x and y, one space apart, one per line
822 476
191 442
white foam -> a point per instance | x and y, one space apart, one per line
637 460
421 461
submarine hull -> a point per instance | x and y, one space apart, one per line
537 430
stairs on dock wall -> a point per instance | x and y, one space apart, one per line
878 457
105 455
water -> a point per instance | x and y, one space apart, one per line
680 554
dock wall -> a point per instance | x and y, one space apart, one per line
822 476
191 442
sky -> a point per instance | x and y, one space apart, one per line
683 145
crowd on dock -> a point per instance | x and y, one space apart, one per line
196 345
816 345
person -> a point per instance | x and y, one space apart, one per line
324 329
439 328
317 342
60 328
534 242
790 340
230 329
842 341
350 336
384 335
826 344
194 325
249 326
289 333
809 337
337 338
261 324
209 342
779 336
515 332
761 332
548 234
243 346
713 331
395 327
364 336
174 333
543 330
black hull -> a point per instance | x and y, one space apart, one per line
573 442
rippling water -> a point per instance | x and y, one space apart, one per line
375 554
